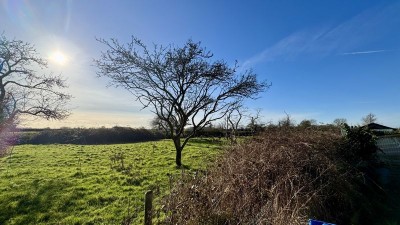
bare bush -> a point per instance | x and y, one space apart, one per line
282 177
7 137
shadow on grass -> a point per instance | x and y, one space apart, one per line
183 167
36 203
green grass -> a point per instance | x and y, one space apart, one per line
75 184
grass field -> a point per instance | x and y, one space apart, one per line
90 184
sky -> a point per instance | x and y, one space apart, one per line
325 59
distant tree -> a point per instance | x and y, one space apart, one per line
233 119
181 85
339 121
370 118
287 121
307 123
23 90
255 125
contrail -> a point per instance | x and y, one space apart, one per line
365 52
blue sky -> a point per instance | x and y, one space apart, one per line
325 59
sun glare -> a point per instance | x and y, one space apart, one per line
58 57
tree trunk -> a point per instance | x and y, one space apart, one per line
178 158
178 148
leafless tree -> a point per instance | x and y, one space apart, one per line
370 118
287 121
181 85
255 123
23 90
339 121
233 119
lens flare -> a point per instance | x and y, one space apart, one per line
58 57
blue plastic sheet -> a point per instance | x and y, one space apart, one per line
316 222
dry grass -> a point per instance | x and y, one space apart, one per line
285 176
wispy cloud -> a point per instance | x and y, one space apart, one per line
365 52
367 27
288 48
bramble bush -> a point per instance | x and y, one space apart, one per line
284 176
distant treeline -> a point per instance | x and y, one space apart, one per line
84 136
118 135
103 135
255 130
219 132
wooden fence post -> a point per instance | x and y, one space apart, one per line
148 208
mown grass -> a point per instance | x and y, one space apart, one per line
89 184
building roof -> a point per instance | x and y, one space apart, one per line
375 126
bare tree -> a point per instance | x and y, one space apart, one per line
255 125
287 121
23 90
339 121
233 119
181 85
370 118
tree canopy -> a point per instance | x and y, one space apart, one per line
339 121
24 90
370 118
183 86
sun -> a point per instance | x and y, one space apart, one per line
59 58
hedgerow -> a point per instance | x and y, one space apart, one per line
284 176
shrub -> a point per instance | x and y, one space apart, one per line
284 176
7 138
359 146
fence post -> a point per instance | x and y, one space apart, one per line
148 208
